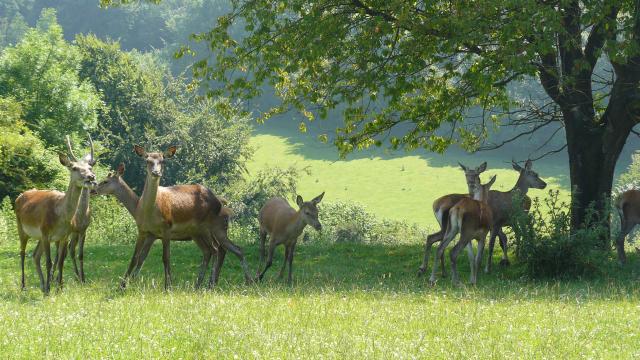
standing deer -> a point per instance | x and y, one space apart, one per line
51 216
284 225
501 204
181 212
628 206
441 208
472 219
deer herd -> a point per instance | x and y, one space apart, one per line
194 212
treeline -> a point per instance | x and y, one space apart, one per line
50 87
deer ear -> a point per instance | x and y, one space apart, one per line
139 150
318 198
299 201
463 167
493 179
482 167
171 150
120 170
528 164
64 160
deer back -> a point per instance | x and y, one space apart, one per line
628 205
39 210
276 215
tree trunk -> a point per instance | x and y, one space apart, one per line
593 149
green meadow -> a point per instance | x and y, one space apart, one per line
348 300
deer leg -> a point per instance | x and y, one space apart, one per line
206 250
237 251
432 238
272 246
290 260
440 252
72 251
478 262
166 260
263 249
284 263
46 245
37 254
492 243
454 259
503 244
215 274
62 254
143 253
24 239
82 237
134 260
625 229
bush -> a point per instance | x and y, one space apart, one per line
8 229
548 249
111 223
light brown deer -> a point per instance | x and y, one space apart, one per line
441 207
472 219
284 225
181 212
502 202
52 216
628 206
115 185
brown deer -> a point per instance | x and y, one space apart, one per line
284 225
501 204
472 219
181 212
628 206
441 207
52 216
115 185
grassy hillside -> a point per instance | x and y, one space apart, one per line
398 186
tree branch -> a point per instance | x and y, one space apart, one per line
599 34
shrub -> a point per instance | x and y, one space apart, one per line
547 247
110 222
8 230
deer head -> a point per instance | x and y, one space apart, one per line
473 175
528 177
481 191
111 183
81 171
155 160
309 211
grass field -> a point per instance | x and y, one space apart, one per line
348 300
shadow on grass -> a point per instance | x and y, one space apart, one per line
318 268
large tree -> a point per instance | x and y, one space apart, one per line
424 66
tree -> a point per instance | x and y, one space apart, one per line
424 66
41 72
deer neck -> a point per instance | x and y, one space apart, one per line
520 186
83 204
126 197
149 195
297 223
71 198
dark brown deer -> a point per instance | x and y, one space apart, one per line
52 216
502 202
472 219
284 225
181 212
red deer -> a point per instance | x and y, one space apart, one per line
284 225
501 204
441 207
472 219
181 212
52 216
628 206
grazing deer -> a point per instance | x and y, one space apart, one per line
628 206
472 218
51 216
441 207
181 212
501 204
284 225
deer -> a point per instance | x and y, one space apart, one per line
180 212
472 219
115 185
53 216
283 224
441 208
628 206
502 202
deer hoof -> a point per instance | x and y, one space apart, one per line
432 281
